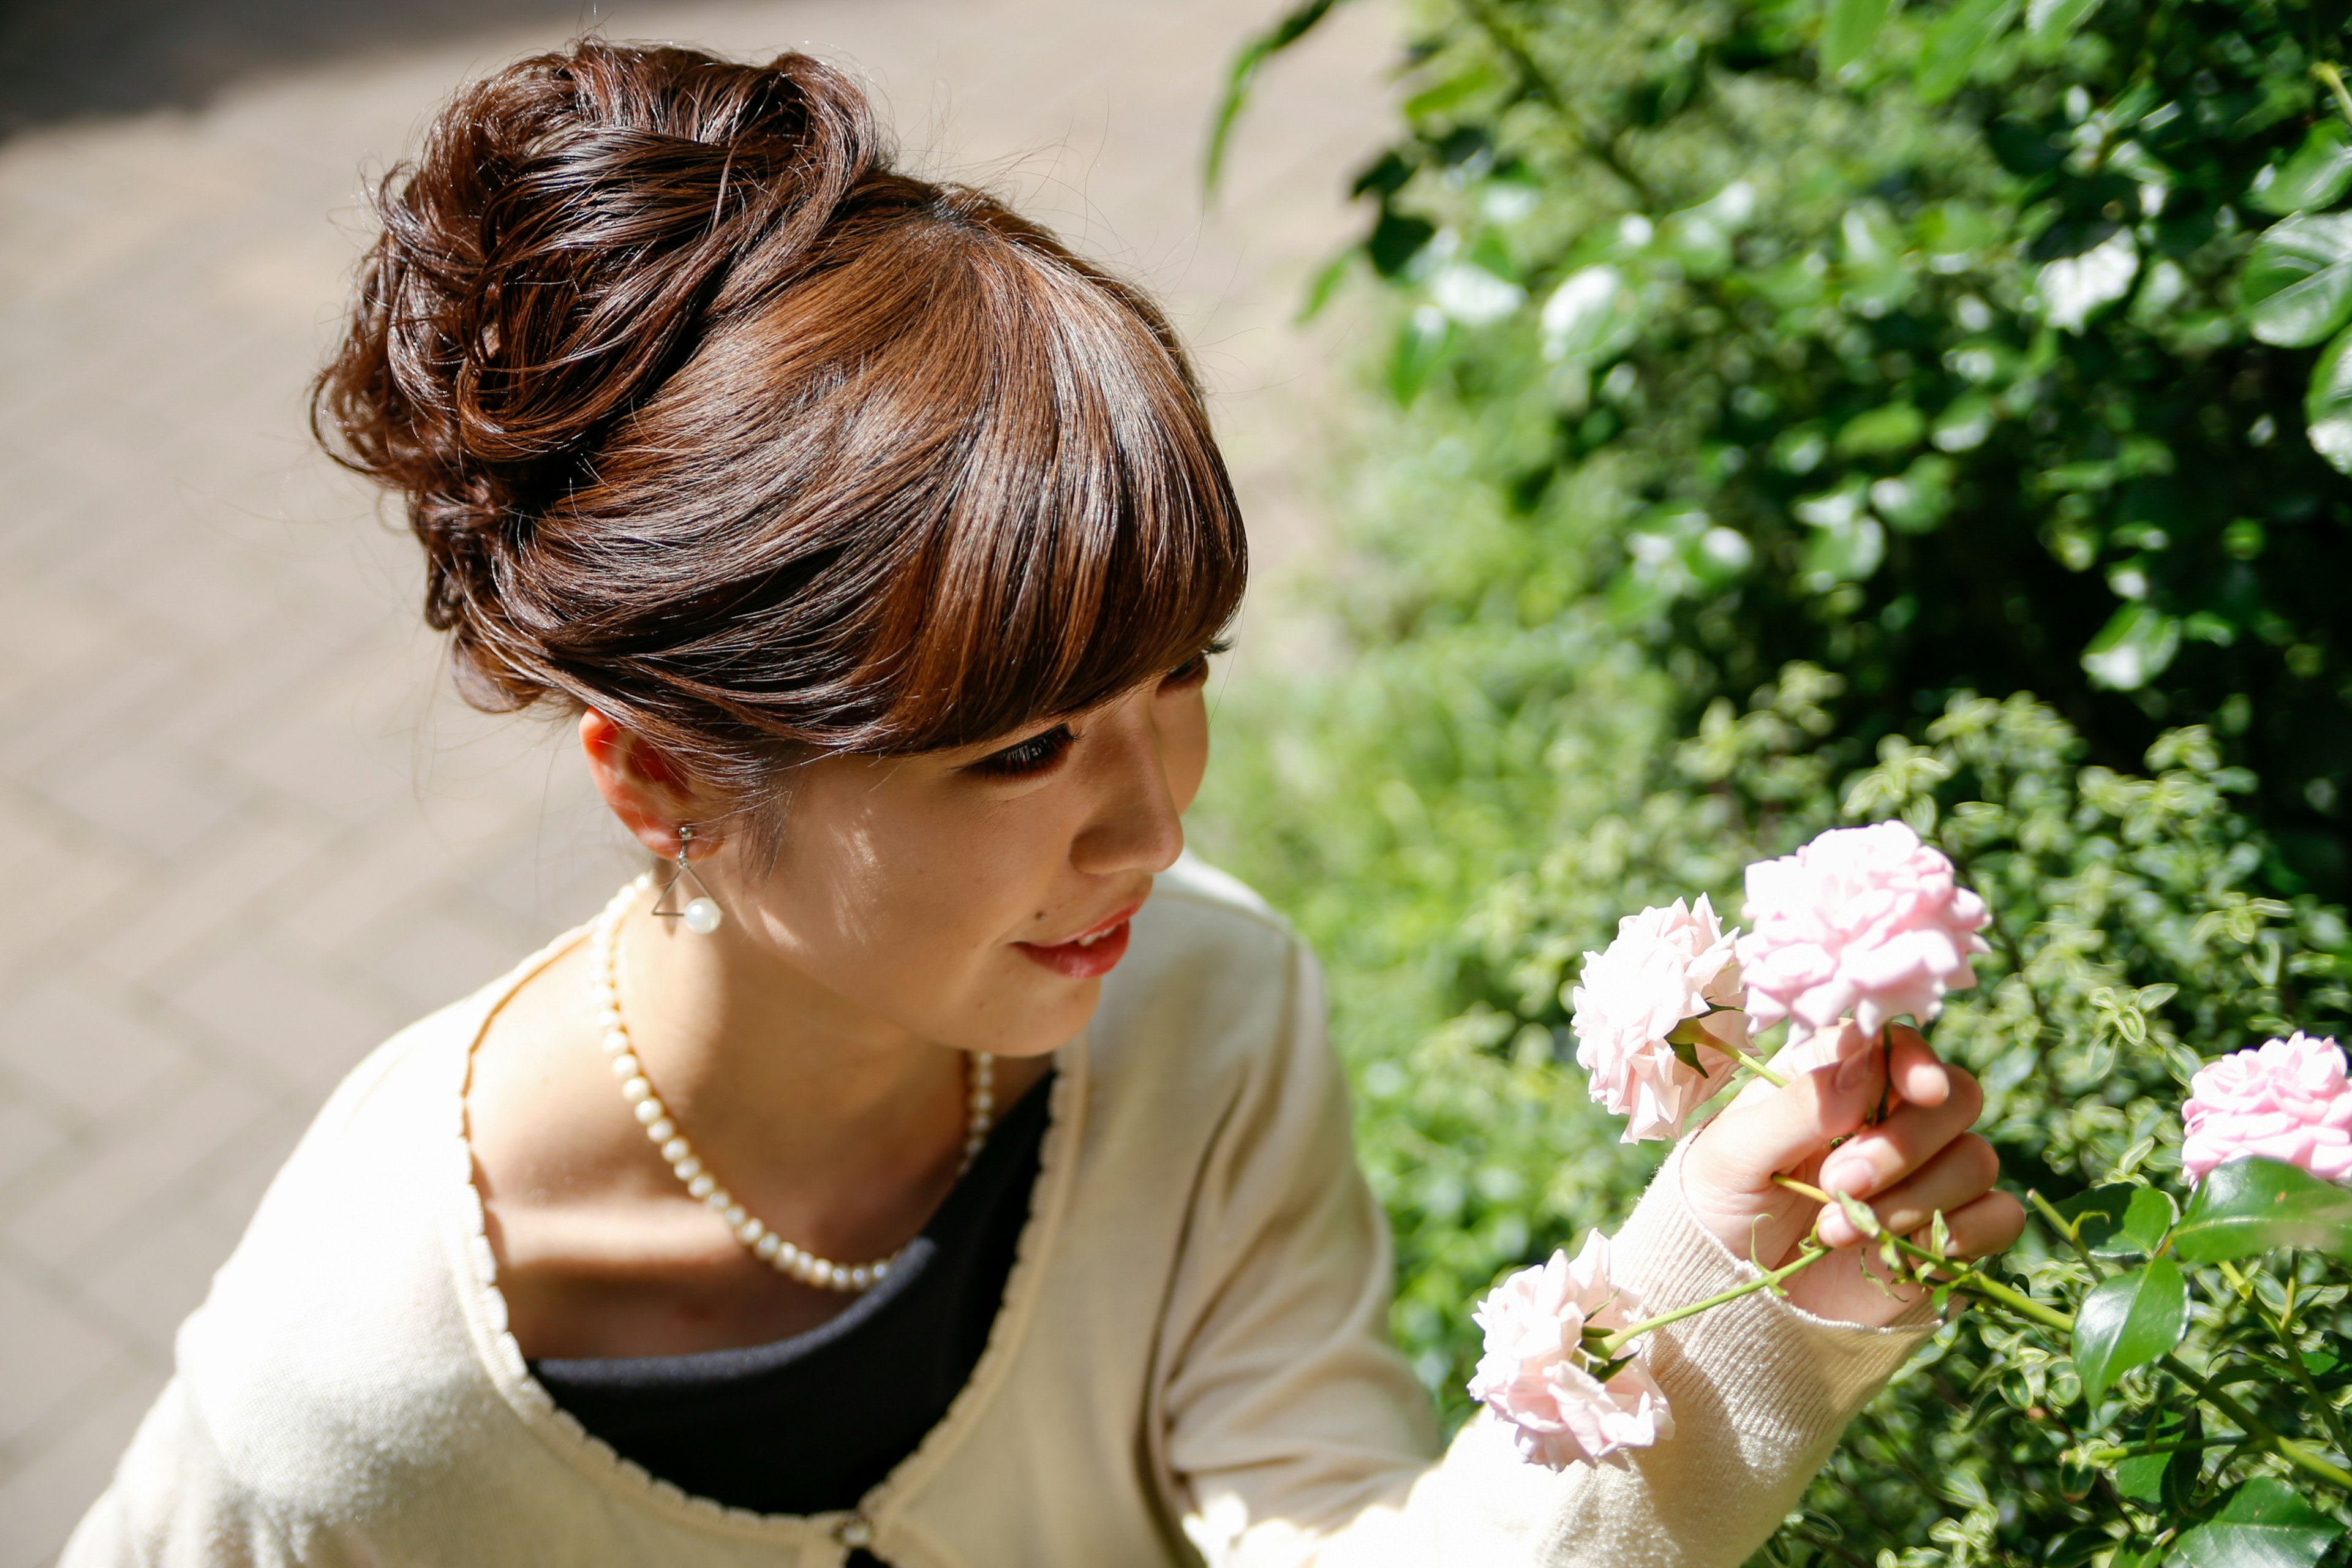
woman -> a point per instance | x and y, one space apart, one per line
931 1165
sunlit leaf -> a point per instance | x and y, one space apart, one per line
2327 405
2255 1205
2072 287
2297 283
2124 1220
2133 649
2319 172
1853 25
1422 345
2050 20
1896 427
2265 1524
1591 316
1952 45
1239 76
2128 1321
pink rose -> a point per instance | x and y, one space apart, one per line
2287 1099
1536 1375
1666 965
1862 923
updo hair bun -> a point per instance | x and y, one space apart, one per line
547 257
708 418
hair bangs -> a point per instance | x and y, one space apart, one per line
1091 540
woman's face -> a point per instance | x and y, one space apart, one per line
977 897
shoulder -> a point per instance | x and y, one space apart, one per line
1216 992
334 1364
1198 914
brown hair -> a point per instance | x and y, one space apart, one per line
710 420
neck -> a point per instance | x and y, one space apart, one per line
756 1058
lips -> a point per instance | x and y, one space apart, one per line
1090 954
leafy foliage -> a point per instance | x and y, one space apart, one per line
1972 345
1767 380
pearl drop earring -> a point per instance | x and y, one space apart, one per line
702 912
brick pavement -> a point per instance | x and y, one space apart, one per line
251 833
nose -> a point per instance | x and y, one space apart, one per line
1134 824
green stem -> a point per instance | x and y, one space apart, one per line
2058 1223
2335 81
2026 1307
1614 1345
2107 1454
2255 1426
1759 1068
1597 140
1968 1280
2278 1326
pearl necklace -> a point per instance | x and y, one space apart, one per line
662 1129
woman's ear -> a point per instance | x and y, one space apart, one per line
644 789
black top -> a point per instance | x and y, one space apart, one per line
810 1424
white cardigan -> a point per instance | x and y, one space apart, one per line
1191 1359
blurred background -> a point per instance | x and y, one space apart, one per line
250 832
1667 431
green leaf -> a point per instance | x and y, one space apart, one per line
1239 76
2123 1220
2076 1547
2265 1524
1852 24
2052 20
2297 283
2314 177
1422 345
1952 45
2255 1205
1593 315
2133 649
2128 1321
2327 405
2140 1478
1895 427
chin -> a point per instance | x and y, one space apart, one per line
1050 1026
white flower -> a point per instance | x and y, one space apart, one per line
1536 1375
1666 965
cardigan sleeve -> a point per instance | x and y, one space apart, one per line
172 1504
1296 1438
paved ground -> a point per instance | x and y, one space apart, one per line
250 836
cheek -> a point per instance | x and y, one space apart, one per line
907 912
1184 745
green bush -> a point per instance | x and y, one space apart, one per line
1766 382
1949 347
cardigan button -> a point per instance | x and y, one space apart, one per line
857 1531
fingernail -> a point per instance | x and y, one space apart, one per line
1854 1071
1849 1176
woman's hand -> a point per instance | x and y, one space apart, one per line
1921 1158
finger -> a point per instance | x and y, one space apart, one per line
1913 1067
1991 1223
1878 1157
1958 1175
1742 1148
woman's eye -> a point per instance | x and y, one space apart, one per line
1191 672
1025 758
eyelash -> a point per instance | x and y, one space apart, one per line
1039 753
1027 758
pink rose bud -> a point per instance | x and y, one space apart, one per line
1668 966
1536 1376
2286 1100
1864 923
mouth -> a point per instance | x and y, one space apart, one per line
1091 953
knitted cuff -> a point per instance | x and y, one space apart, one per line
1771 1369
